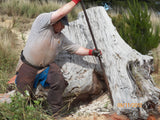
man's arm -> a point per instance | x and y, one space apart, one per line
85 51
82 51
64 10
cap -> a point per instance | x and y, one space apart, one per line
64 20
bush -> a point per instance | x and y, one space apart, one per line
21 108
136 29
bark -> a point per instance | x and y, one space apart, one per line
127 70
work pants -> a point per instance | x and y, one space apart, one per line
57 85
25 78
55 79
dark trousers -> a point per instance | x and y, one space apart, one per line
57 85
25 78
55 79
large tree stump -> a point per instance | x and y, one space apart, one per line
133 91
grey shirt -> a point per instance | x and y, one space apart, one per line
43 44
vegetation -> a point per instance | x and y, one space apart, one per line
130 27
21 11
25 8
154 4
136 28
31 10
8 56
22 108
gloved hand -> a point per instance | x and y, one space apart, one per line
96 53
76 1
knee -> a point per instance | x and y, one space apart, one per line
59 85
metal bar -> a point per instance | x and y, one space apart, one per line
94 41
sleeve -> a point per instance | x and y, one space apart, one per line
43 20
69 46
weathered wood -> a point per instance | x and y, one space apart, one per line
127 70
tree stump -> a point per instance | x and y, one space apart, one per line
128 71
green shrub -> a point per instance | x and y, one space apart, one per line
136 29
21 108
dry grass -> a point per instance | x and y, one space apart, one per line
8 56
156 73
155 19
31 10
25 8
7 40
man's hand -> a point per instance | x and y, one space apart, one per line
96 53
76 1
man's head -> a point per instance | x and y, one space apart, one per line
59 25
64 20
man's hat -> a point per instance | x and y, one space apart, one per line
64 20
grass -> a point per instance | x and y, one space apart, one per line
31 10
155 19
25 8
22 108
8 56
156 73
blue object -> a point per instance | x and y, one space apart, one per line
40 78
106 6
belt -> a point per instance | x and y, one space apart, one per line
26 62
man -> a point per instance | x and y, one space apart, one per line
45 41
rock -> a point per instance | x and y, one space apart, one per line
6 97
